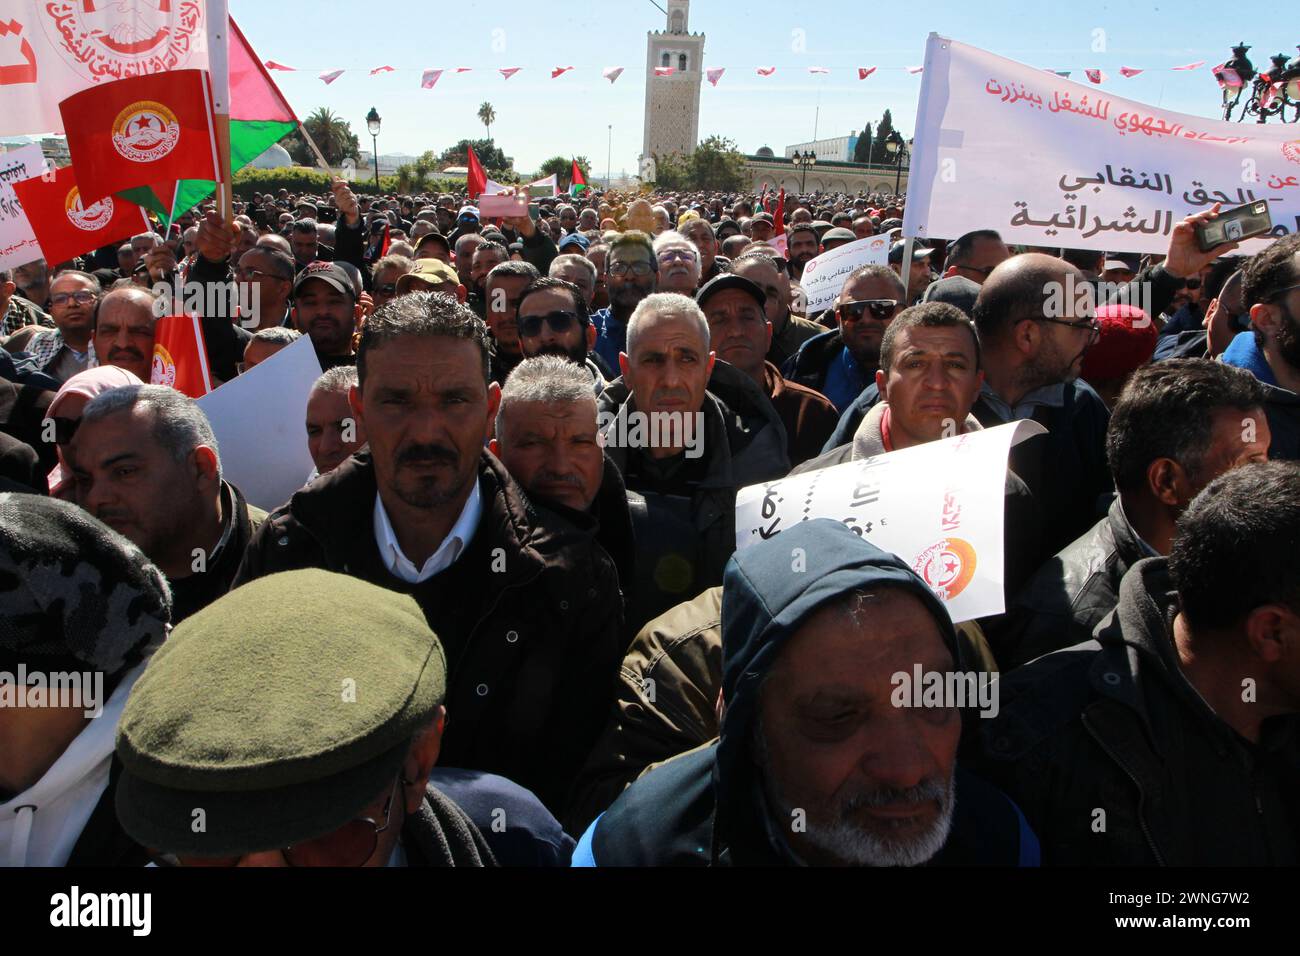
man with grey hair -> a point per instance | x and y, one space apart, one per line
333 432
679 263
503 288
686 433
67 349
145 462
264 344
577 269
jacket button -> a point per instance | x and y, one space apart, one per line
512 636
1111 678
283 541
482 690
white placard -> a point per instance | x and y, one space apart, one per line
938 506
259 419
50 49
18 244
1047 162
824 276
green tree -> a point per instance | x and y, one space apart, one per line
717 164
672 172
562 166
333 137
862 151
879 152
487 116
493 160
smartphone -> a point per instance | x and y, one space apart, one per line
501 205
1244 222
534 210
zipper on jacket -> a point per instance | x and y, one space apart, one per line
1142 797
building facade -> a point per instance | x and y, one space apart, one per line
672 102
839 148
827 177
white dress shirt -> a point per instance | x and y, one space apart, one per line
452 547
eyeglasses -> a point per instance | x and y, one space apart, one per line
350 845
64 429
83 297
677 255
560 322
881 309
636 268
1093 326
984 271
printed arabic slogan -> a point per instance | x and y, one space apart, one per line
938 506
1048 162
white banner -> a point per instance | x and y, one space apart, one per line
823 277
18 244
938 506
1047 162
50 50
258 420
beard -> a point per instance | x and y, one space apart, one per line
1288 337
576 355
428 490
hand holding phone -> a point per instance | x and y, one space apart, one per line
1235 225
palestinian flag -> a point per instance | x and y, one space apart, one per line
260 116
579 181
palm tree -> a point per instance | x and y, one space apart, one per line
332 134
487 116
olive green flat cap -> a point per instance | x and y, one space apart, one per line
278 711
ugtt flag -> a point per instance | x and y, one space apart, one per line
66 226
180 355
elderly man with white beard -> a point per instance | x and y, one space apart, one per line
821 760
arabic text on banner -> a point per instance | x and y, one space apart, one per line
938 506
824 276
18 244
1047 162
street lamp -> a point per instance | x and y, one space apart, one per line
803 161
896 146
372 124
1268 93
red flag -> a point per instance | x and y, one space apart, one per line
476 180
65 227
140 131
778 217
576 177
180 356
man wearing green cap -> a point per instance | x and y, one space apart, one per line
318 754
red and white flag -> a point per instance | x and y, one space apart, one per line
509 71
665 70
141 131
180 356
66 227
1189 66
464 69
330 76
560 71
272 65
429 78
382 69
915 69
1128 71
819 69
1095 76
865 71
713 74
765 70
612 73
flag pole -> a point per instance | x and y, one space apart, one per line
218 33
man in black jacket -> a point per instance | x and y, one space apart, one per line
525 603
146 463
1170 738
1177 426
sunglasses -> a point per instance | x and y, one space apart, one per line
881 309
559 322
350 845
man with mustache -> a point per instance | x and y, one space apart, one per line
124 326
525 602
505 286
819 762
66 349
325 309
679 263
631 274
553 320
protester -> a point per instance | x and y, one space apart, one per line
579 271
1167 740
325 309
65 412
678 263
975 255
504 288
553 320
789 331
333 432
83 604
124 330
631 274
1126 341
1177 426
429 512
814 765
266 343
145 462
67 349
298 783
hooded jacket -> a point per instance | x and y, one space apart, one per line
706 807
529 615
1114 725
690 538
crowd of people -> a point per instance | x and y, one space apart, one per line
505 621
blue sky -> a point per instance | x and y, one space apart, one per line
538 117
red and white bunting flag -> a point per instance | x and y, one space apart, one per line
713 74
1270 94
665 70
915 69
382 69
1128 71
1095 76
560 71
819 69
612 73
272 65
330 76
509 71
865 71
1227 77
765 70
1189 66
429 78
464 69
